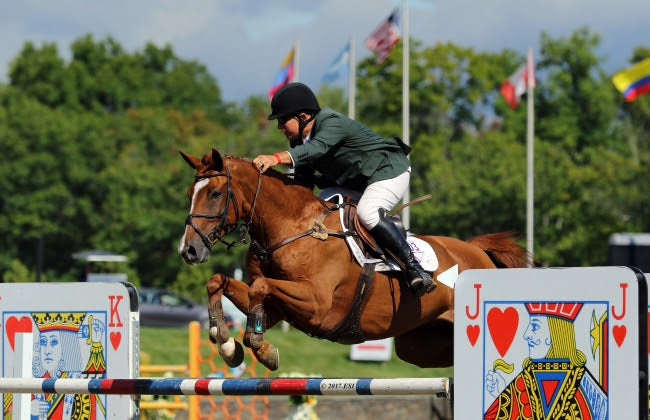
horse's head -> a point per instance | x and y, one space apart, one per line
213 207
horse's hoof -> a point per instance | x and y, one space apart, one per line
274 362
270 357
227 349
237 356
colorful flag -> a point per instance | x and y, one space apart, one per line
382 40
634 81
516 85
339 66
284 75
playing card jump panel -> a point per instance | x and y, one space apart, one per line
77 330
550 343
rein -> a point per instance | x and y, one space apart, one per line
316 228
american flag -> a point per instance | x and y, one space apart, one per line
382 40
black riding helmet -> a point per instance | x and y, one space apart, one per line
292 99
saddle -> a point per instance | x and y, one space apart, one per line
364 248
362 236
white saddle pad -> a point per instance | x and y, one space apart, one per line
422 251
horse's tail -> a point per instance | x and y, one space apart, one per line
503 250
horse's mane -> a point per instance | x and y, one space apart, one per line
286 179
244 158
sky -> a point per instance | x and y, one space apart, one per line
242 43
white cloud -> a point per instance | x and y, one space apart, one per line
276 22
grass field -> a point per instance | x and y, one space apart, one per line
299 353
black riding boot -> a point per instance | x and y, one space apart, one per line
391 240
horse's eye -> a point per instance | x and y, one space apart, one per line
215 194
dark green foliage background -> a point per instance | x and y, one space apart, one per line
90 151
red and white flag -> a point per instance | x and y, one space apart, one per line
382 40
517 84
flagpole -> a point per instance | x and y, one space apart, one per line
530 193
406 215
352 82
296 60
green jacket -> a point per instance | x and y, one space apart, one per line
348 153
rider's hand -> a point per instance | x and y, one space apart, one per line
264 162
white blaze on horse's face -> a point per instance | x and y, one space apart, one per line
198 187
182 246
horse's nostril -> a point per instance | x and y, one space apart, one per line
191 251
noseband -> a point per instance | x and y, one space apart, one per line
222 216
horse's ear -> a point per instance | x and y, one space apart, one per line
194 162
217 160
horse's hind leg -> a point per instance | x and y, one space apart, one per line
230 350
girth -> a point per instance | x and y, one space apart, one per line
349 330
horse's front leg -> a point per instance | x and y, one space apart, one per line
264 351
271 301
230 350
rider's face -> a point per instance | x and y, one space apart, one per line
289 127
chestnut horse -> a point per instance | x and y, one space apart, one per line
311 283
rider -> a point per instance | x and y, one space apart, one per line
351 156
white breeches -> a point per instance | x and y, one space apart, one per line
382 194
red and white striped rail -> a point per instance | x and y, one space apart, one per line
438 387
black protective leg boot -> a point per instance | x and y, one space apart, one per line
391 240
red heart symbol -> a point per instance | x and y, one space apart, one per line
116 337
472 333
503 327
619 332
14 326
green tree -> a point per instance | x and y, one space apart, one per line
91 151
457 136
575 106
632 128
40 73
89 147
582 163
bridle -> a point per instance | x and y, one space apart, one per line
223 224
